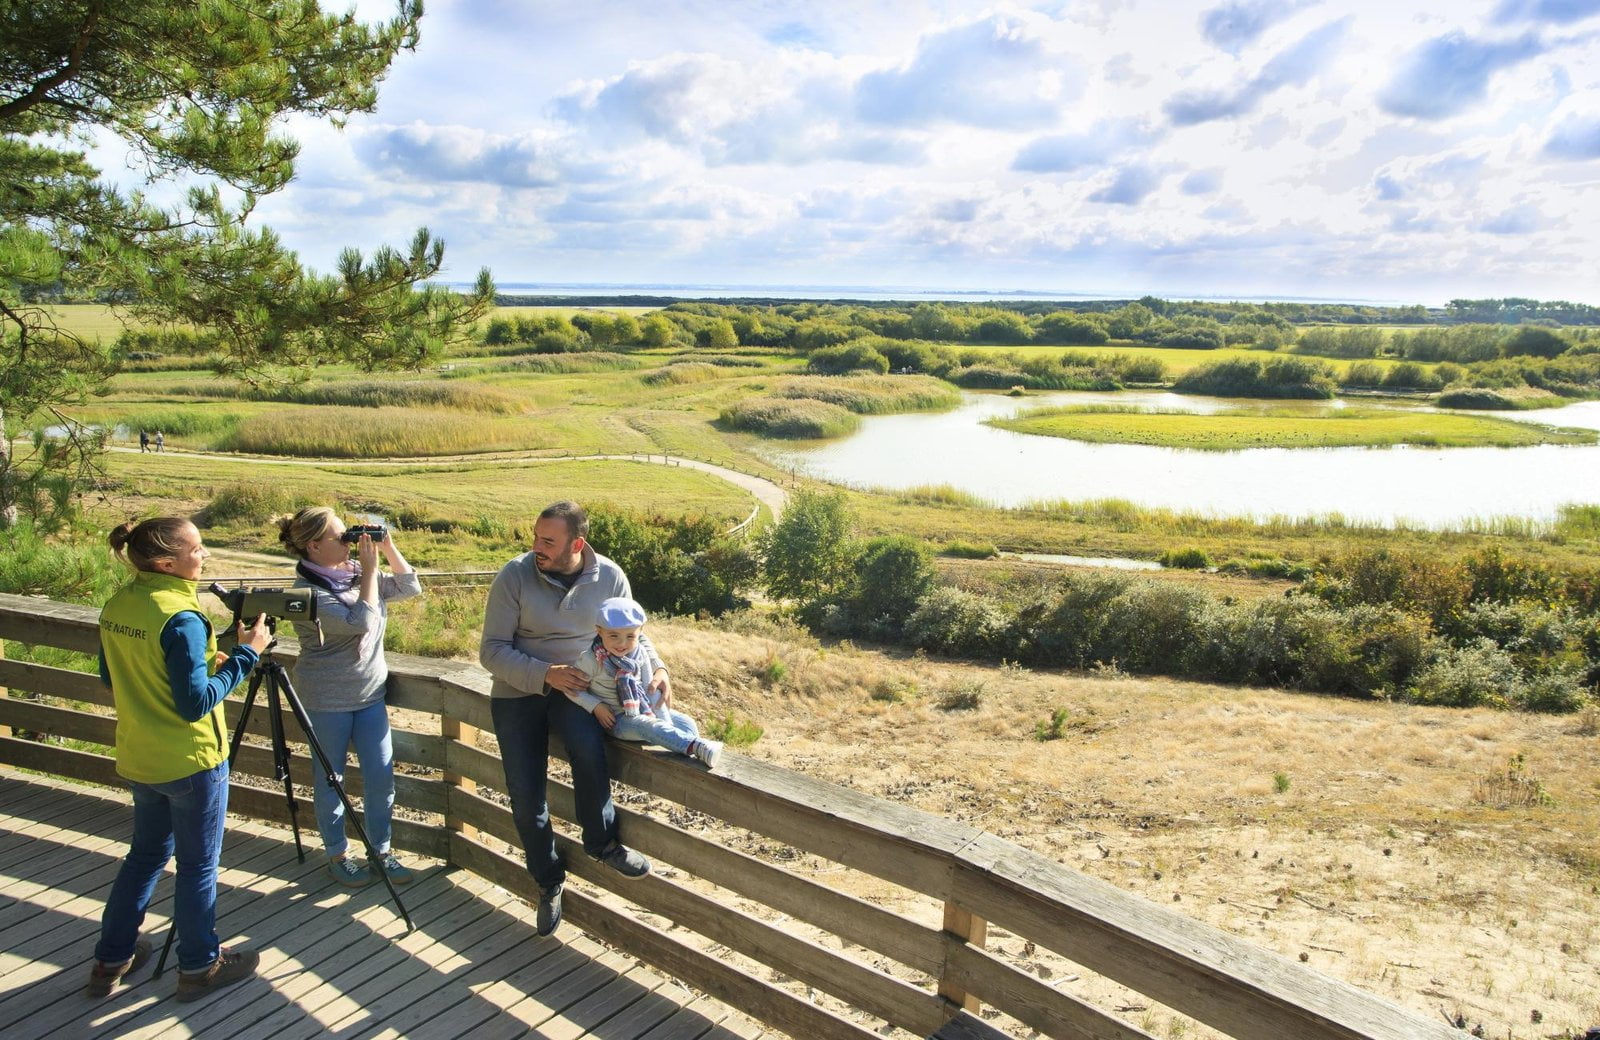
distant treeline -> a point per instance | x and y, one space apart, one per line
1511 310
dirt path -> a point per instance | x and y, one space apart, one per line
765 491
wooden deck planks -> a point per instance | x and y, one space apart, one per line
334 961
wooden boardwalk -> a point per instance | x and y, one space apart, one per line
334 962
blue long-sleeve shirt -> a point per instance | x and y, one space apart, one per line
195 691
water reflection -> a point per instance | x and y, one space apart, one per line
1427 486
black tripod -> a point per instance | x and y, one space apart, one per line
271 673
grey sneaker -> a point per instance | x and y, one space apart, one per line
228 968
103 978
549 917
398 873
707 751
349 873
624 861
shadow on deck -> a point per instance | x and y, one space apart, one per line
334 962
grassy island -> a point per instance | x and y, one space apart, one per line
1286 428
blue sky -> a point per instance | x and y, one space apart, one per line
1372 150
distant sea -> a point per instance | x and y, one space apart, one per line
690 291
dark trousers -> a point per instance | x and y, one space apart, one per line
523 726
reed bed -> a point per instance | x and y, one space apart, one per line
680 373
794 419
873 395
348 432
372 393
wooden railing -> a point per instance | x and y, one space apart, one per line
818 936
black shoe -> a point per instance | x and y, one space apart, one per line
549 918
625 861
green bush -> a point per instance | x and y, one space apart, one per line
959 623
1476 398
1479 673
871 395
847 357
1278 377
676 565
250 501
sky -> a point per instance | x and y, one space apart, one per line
1392 150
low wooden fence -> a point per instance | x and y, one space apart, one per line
762 919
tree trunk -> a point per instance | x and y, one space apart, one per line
8 498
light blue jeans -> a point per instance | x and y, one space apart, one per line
368 729
183 817
676 734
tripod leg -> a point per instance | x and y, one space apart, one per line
166 947
280 752
373 858
244 716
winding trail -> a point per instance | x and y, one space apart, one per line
765 491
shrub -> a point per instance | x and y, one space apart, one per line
1051 729
891 574
1278 377
965 695
734 732
678 565
251 501
958 623
1479 673
1476 398
847 357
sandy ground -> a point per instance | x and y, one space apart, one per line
1405 850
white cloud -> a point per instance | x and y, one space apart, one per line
1377 148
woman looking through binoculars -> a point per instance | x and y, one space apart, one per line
341 672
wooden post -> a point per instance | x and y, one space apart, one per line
453 729
5 731
962 925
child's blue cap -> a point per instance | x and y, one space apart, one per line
619 612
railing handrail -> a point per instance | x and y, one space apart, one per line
1193 968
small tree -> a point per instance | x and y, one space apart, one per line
808 552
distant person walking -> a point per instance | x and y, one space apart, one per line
144 440
160 441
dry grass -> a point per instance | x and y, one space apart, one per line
1381 862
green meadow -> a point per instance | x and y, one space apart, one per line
483 419
1238 429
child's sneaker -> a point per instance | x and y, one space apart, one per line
349 873
397 872
707 751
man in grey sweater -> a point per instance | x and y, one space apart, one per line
540 617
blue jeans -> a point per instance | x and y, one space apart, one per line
184 816
523 725
675 733
368 729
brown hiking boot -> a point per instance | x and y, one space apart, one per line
103 978
228 968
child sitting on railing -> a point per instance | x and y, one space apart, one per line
617 696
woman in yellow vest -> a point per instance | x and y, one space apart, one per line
159 656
